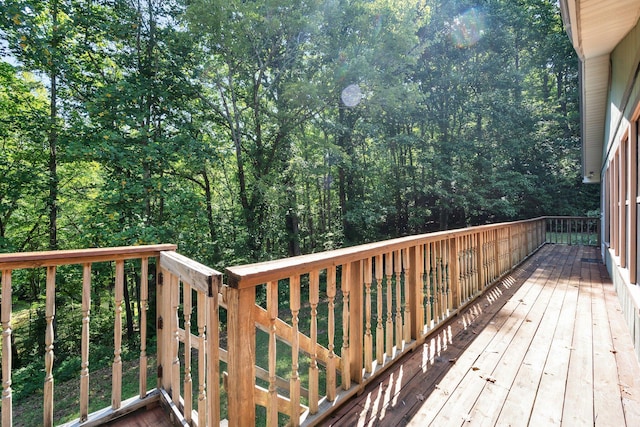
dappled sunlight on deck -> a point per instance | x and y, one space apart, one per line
550 348
557 352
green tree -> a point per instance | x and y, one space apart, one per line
262 86
23 111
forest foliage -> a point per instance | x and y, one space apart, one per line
244 131
253 130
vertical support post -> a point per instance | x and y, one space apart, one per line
480 260
388 271
50 313
241 359
496 252
454 269
379 311
346 303
429 307
116 384
5 312
397 269
213 350
314 299
435 282
331 364
174 290
406 266
509 250
84 342
441 286
465 250
203 309
294 381
188 382
415 294
499 244
272 310
356 322
570 222
163 304
368 337
144 308
547 229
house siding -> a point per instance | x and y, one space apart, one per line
619 193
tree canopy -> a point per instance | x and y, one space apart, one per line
249 130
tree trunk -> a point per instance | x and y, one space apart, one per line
292 223
52 200
207 195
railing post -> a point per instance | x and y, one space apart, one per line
163 303
345 351
509 249
7 410
454 273
241 360
84 342
144 308
496 253
116 369
174 336
331 365
415 294
356 322
50 312
480 261
294 379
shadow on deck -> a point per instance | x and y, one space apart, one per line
547 345
437 328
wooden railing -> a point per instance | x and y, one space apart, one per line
344 316
180 275
179 280
573 230
283 341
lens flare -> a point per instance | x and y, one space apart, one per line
351 95
468 28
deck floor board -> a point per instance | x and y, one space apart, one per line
551 349
154 416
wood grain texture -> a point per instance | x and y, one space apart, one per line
556 310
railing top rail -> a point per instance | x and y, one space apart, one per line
199 276
243 276
79 256
583 218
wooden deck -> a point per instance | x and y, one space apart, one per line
546 346
155 416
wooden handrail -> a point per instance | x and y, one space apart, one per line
573 230
51 260
392 295
248 275
14 261
377 300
